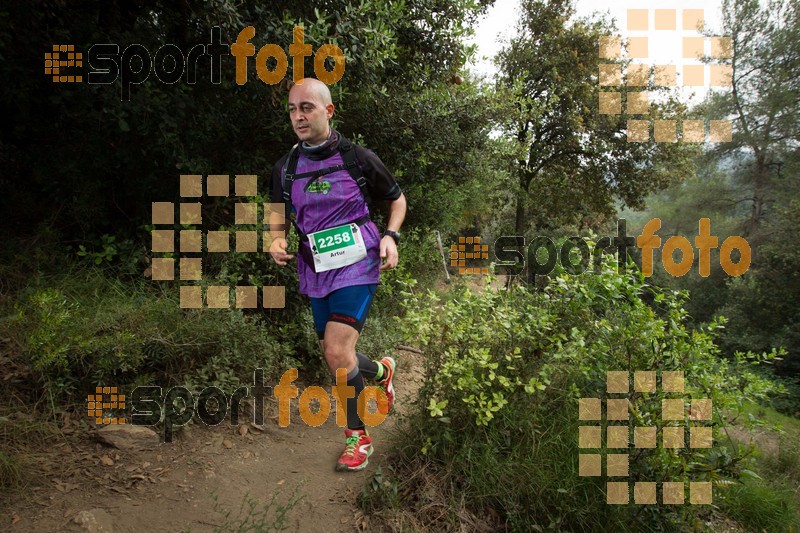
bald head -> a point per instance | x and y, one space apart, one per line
310 109
312 88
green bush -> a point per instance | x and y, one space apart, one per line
503 375
419 264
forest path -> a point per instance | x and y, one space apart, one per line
190 483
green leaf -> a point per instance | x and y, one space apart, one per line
749 474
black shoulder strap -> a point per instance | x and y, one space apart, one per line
287 178
287 175
348 152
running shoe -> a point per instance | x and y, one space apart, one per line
358 448
386 384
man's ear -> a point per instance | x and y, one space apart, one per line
329 110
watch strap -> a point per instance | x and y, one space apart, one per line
393 234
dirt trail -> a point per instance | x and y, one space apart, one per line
186 485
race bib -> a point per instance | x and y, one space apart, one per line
337 247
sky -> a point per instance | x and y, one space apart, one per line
665 47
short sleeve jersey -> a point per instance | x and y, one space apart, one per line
332 200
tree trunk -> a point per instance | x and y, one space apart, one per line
519 228
758 195
519 221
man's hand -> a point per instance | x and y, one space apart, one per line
388 253
278 251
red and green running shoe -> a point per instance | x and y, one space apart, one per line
386 384
358 448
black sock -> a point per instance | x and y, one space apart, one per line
369 368
355 380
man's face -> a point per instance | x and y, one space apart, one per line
309 115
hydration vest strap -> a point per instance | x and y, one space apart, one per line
349 158
288 177
287 174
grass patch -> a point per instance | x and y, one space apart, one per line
771 503
20 433
780 459
761 505
10 471
783 423
18 429
256 517
785 463
84 328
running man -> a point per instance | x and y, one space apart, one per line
324 182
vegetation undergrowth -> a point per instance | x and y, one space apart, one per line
80 326
769 501
498 414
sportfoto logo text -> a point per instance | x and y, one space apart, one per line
151 405
169 64
510 255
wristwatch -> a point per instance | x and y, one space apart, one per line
393 234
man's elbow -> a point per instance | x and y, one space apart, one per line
399 202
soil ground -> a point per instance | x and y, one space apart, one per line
189 484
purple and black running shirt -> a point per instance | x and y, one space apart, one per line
334 200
